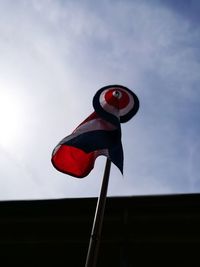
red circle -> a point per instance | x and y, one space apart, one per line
118 103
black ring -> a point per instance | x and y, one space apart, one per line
110 117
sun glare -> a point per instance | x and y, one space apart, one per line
10 118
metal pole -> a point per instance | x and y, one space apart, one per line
98 220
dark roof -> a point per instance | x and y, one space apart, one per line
137 231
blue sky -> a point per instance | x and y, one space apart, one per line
55 55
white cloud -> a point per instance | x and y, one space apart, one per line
56 54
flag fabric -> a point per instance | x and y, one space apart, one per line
75 154
99 134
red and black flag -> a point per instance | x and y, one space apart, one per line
99 134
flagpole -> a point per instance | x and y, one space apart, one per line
94 243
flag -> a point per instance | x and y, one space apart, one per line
75 154
99 134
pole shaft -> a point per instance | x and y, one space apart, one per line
98 220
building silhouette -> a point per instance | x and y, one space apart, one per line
137 231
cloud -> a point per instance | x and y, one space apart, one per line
56 54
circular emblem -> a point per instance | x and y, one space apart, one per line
116 103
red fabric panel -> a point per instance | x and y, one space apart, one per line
114 101
73 161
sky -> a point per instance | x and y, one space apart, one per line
55 55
